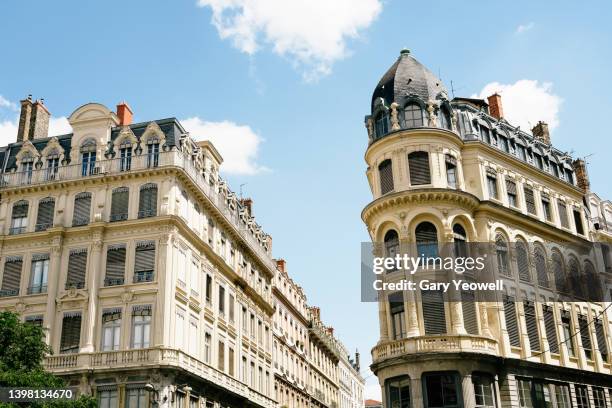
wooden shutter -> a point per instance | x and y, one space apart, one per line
559 272
529 200
418 164
601 340
511 321
551 329
563 214
147 203
71 333
119 204
434 316
77 267
583 324
144 262
11 278
115 265
511 187
385 172
82 209
522 261
540 264
468 305
532 326
44 219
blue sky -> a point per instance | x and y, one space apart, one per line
285 93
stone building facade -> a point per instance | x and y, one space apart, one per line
446 173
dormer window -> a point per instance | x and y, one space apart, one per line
125 152
413 116
444 118
382 124
52 166
27 167
152 152
88 157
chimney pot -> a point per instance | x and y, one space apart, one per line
124 113
281 264
495 106
541 132
248 204
582 177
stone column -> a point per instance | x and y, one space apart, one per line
53 278
163 276
416 391
93 286
469 399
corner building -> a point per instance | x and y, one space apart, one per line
455 171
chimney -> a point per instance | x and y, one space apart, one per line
248 204
124 113
24 119
330 330
357 363
582 177
39 122
281 264
540 132
495 106
316 312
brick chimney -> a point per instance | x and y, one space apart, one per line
582 177
124 113
541 132
316 312
281 264
495 106
33 120
248 204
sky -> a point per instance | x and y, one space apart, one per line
281 87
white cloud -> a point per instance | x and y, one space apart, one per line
8 132
524 27
5 103
8 129
59 126
312 34
526 102
238 144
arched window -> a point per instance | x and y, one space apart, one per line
125 154
88 157
381 124
592 283
147 203
575 278
418 165
522 260
559 272
385 172
460 239
413 116
540 265
391 244
152 152
444 118
19 217
119 204
398 392
44 218
426 239
501 250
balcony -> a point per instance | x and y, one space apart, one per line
601 224
434 344
104 168
153 358
143 276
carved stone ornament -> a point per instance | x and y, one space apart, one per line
394 118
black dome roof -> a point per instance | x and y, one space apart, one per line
407 76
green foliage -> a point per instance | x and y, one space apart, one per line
22 350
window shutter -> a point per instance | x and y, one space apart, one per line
44 219
532 326
511 187
20 209
583 324
141 310
147 204
77 266
82 209
529 200
109 315
522 261
71 333
144 262
540 264
601 339
511 321
559 272
434 316
551 329
468 305
563 214
385 172
115 265
119 204
11 278
418 164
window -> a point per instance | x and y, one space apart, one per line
529 200
551 329
444 118
434 316
585 336
125 153
522 261
521 153
460 241
470 315
385 171
441 391
578 222
601 339
511 190
483 391
207 345
391 245
19 217
71 333
568 336
599 398
107 397
39 274
153 152
144 261
141 326
221 357
111 329
36 320
524 390
562 395
582 396
88 158
115 265
52 166
147 202
398 317
119 204
193 336
501 250
44 219
492 183
418 164
136 397
546 207
221 300
540 265
605 253
485 135
426 239
413 116
230 361
531 322
11 278
231 307
451 171
381 124
558 271
208 289
27 168
398 392
77 267
82 209
503 144
563 214
575 278
511 321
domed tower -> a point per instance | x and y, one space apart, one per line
445 176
